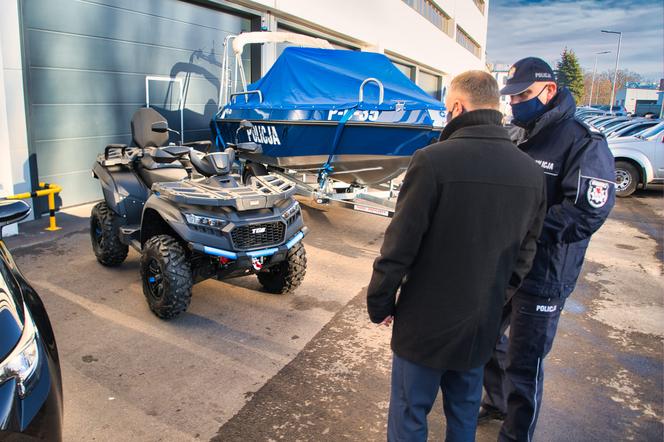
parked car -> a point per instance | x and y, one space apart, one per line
659 127
597 120
631 128
615 110
605 125
30 380
587 110
639 161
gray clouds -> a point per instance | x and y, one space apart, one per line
543 28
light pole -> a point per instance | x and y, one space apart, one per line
615 75
592 84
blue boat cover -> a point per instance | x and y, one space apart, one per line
311 78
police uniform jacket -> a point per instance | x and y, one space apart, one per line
465 226
580 171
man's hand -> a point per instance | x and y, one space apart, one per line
387 321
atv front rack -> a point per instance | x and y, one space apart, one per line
263 192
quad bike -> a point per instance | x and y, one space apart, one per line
191 218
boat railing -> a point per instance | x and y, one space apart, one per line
381 91
259 93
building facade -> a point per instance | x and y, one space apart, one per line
630 97
73 72
500 73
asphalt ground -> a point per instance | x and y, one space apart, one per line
244 365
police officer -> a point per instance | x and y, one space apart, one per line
465 228
579 169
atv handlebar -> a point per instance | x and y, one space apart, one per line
122 147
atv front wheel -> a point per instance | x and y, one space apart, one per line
166 275
104 234
286 276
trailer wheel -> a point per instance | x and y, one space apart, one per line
251 170
167 277
105 238
627 178
286 276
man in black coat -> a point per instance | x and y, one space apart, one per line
462 239
579 170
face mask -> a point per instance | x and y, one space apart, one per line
528 111
449 116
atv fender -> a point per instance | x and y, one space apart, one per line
161 217
123 192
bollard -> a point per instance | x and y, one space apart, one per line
48 190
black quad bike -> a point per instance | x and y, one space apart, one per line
191 218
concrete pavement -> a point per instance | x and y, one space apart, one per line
245 365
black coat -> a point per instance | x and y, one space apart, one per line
463 235
580 170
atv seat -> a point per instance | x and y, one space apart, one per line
158 166
141 128
152 172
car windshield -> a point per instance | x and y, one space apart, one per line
9 287
623 125
651 132
610 123
636 129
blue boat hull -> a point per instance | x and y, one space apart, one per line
372 147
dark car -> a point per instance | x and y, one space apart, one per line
30 380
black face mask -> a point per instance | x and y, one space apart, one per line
528 111
449 116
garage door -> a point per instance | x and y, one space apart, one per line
86 62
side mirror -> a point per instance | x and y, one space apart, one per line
245 125
160 126
12 211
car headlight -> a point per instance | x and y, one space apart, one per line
205 221
23 361
292 210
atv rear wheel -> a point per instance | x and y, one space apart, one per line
286 276
166 275
104 234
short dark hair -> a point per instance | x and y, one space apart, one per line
479 87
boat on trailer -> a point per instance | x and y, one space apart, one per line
348 115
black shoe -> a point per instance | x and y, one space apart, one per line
489 413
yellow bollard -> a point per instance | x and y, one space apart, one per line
51 213
48 190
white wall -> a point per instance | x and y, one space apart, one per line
501 77
14 169
631 95
394 26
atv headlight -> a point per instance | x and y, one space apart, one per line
205 221
292 210
22 363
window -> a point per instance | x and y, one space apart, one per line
464 40
430 83
405 69
480 5
433 13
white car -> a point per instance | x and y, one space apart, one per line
630 128
639 160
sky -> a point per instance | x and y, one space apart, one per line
521 28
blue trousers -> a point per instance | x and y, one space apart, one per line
514 377
414 390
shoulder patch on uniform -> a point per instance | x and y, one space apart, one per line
598 193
